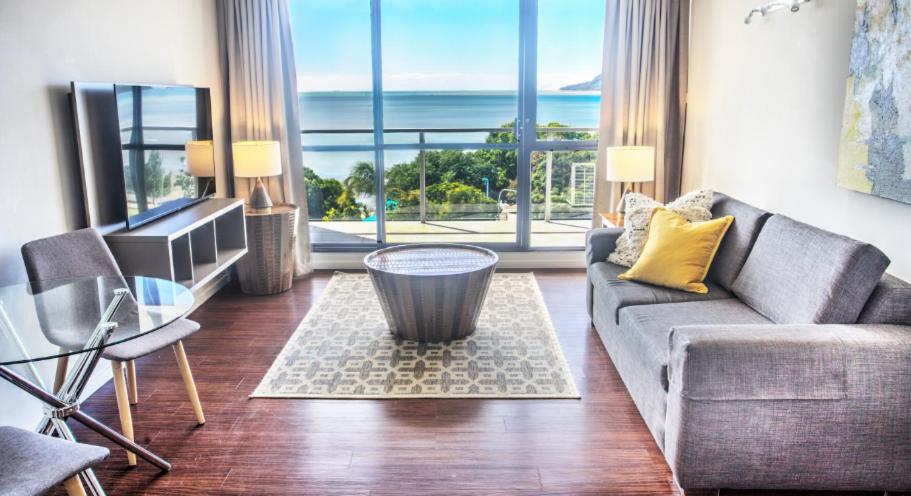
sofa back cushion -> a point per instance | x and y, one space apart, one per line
890 303
736 245
800 274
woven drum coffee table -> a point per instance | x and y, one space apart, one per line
431 292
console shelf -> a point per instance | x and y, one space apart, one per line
190 247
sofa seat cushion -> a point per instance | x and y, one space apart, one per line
736 245
648 327
151 342
800 274
619 294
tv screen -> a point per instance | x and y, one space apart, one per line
166 149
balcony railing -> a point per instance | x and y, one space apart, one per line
549 135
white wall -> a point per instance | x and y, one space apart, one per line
45 44
764 118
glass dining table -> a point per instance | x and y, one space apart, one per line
77 319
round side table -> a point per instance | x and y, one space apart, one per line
268 267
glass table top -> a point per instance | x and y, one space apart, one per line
50 319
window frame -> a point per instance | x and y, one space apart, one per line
524 128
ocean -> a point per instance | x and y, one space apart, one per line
401 109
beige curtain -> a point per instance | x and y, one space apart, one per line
643 91
261 86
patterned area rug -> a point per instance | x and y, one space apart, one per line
343 349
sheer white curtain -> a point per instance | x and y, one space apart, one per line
643 91
261 86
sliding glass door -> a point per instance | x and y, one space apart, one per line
567 97
450 78
419 120
334 76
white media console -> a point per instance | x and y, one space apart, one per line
190 247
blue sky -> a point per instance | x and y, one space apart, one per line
443 44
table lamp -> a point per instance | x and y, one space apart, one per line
201 163
628 165
257 159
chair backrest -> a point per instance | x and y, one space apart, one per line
50 262
81 253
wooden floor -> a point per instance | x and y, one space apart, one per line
596 445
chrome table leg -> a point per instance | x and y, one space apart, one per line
65 403
73 412
79 374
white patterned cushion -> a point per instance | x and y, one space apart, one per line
695 206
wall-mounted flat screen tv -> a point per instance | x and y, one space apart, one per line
166 149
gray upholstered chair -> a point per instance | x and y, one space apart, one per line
84 253
33 463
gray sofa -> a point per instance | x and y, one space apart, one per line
793 372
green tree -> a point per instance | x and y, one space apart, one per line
403 176
184 181
449 166
157 181
561 173
329 199
502 161
456 193
362 179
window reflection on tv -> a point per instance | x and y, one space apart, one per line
166 148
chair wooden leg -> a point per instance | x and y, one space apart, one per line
60 376
123 406
188 381
74 486
132 388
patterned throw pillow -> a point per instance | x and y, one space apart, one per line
695 206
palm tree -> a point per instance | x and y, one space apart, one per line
361 180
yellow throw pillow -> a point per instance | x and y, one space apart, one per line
678 254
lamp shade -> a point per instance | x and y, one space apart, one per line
631 164
200 158
257 158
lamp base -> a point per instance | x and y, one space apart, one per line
259 197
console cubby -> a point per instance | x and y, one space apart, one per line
230 235
190 247
182 260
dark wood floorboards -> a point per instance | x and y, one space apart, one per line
593 446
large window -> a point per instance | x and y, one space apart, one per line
449 120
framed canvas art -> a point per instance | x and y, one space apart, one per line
875 147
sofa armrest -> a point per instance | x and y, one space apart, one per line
599 243
790 407
759 362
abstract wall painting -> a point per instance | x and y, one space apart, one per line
875 148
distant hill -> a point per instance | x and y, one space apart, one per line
593 85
